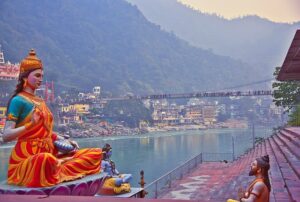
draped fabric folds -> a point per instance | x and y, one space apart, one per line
34 161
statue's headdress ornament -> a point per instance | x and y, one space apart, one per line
264 162
31 62
106 148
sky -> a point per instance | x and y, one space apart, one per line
274 10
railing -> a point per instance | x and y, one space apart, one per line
216 157
241 142
247 139
163 183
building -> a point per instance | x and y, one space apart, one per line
2 117
8 71
209 114
193 114
81 108
165 114
97 90
72 113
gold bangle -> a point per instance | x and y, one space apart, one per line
28 125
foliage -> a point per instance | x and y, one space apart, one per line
75 126
295 117
111 44
258 140
129 112
287 95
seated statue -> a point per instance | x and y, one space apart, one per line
35 160
116 183
260 188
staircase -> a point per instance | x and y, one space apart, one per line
219 181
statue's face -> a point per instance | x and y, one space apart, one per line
254 168
35 78
109 153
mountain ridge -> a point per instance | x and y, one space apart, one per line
252 39
111 44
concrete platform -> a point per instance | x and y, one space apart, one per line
134 193
34 198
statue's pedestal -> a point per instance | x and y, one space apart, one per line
134 193
87 186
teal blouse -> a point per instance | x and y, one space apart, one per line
18 109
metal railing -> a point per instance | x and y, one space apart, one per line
216 157
163 183
241 142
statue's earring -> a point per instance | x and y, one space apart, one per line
25 83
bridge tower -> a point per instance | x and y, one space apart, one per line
47 91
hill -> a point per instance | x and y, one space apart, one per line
111 44
252 39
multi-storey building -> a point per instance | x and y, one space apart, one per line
195 112
2 117
209 114
8 71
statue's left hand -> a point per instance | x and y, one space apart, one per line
74 143
241 192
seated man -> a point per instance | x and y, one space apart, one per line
116 183
259 189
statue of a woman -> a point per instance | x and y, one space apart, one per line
34 161
116 183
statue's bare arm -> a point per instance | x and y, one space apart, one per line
10 131
257 190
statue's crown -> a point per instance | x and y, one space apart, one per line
31 62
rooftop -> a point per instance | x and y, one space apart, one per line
290 69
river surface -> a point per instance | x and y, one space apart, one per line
158 153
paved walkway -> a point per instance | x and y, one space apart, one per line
219 181
35 198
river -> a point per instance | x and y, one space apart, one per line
158 153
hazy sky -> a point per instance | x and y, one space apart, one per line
275 10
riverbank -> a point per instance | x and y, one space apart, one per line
98 130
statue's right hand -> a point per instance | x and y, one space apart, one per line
36 116
241 192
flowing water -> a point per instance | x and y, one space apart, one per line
160 152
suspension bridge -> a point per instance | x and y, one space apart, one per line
194 95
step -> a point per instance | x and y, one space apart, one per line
288 174
279 190
294 130
290 145
290 137
288 153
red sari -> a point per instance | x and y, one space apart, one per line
34 161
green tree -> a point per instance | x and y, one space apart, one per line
130 112
287 95
295 117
